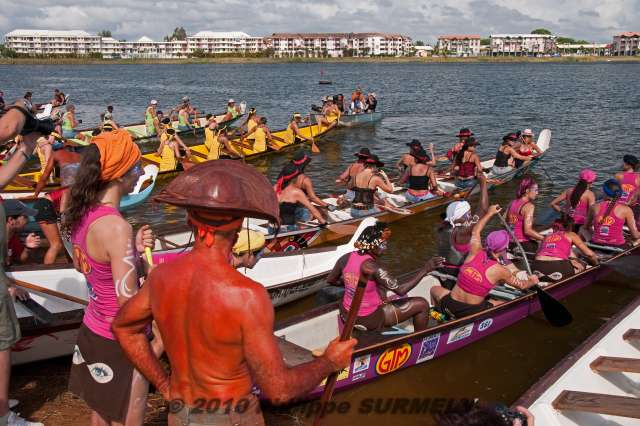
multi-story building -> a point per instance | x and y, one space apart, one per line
224 42
626 44
522 44
52 42
338 44
459 45
595 49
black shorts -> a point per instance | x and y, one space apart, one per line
456 309
46 211
554 270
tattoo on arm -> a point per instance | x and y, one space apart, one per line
122 288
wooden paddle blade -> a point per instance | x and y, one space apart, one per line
553 310
314 148
40 313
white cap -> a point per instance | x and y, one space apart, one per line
231 101
153 102
527 132
185 99
457 210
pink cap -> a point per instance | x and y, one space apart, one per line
588 175
498 241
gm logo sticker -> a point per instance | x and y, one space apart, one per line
485 324
393 358
460 333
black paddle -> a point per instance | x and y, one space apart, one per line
554 311
39 312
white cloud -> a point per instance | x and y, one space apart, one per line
595 20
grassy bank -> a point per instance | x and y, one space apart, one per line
235 60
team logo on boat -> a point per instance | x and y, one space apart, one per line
428 348
473 273
361 363
460 333
485 324
392 359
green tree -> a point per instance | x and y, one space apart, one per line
104 33
541 31
198 53
179 33
565 40
419 43
485 41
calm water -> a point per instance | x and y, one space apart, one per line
592 110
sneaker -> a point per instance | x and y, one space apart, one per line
13 403
15 420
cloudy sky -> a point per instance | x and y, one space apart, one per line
593 20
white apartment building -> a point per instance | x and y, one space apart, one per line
459 44
224 42
522 44
591 49
626 44
338 44
52 42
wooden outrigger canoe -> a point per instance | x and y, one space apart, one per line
341 219
380 353
286 276
594 384
352 120
200 152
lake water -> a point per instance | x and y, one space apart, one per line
592 110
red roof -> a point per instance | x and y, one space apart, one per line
459 37
628 34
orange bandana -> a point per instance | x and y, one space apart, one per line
118 153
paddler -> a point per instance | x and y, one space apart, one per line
348 177
421 177
506 155
462 136
555 259
479 273
263 137
108 253
528 147
294 204
330 115
253 120
233 111
67 161
58 98
607 218
151 118
377 311
520 215
629 180
466 165
407 160
366 183
293 131
184 124
169 151
69 124
577 200
301 159
217 142
217 354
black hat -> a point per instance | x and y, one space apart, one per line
421 155
363 153
464 133
17 208
631 160
301 159
373 159
471 141
415 143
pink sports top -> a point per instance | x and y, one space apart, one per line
628 186
351 276
103 301
608 230
579 213
556 245
473 275
516 219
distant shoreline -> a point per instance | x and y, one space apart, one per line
390 60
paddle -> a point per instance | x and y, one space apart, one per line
554 311
314 147
50 292
345 335
39 312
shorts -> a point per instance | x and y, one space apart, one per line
184 128
9 325
416 198
69 134
530 246
363 212
497 171
101 375
350 195
555 270
46 211
247 412
465 183
456 309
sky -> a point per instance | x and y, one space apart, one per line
592 20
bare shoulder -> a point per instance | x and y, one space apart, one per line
113 226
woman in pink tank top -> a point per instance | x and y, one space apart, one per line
377 311
607 218
520 215
480 272
629 180
577 200
555 259
105 251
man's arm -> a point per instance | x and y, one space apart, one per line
279 382
129 328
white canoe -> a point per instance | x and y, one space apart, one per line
598 383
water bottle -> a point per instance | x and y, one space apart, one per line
243 107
